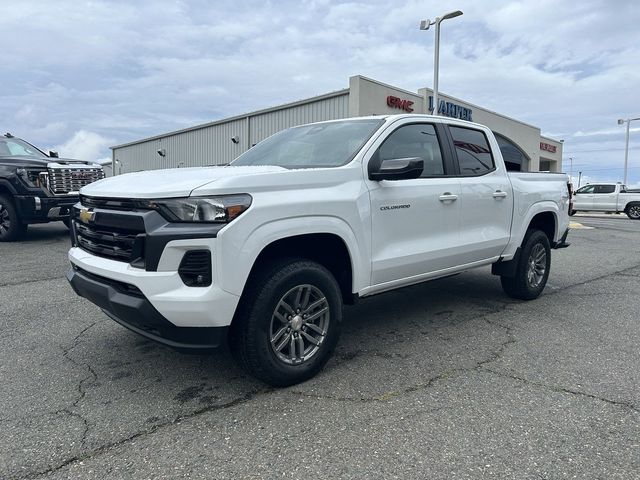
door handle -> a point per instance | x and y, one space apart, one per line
448 197
499 194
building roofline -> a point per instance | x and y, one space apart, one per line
337 93
382 84
549 138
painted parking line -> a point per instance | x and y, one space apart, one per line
579 226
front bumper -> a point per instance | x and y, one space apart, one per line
40 209
128 306
181 305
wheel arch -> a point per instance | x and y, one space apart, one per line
327 249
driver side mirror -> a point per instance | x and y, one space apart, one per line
397 169
53 154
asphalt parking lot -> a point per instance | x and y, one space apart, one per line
448 379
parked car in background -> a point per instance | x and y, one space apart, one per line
607 197
36 187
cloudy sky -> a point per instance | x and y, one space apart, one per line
82 76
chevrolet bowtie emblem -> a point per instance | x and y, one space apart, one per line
87 216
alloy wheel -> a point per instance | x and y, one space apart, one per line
537 265
5 221
299 324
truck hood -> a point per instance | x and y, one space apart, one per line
176 182
36 162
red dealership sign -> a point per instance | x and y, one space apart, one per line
395 102
547 147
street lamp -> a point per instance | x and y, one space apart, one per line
626 144
424 25
571 169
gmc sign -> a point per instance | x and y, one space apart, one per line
395 102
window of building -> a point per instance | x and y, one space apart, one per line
514 157
472 148
416 140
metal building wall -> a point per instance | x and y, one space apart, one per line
211 144
266 124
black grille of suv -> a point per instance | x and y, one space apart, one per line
115 243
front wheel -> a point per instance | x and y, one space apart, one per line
532 270
11 228
289 323
633 211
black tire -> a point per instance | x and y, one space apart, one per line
262 315
529 280
633 211
11 228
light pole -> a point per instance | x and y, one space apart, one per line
626 145
424 25
571 169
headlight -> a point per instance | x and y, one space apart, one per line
30 177
220 209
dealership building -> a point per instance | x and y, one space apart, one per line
219 142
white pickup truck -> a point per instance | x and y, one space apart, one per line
264 253
607 197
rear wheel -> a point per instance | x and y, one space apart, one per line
633 211
532 270
11 228
289 323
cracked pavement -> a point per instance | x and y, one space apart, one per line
448 379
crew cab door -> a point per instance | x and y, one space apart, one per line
583 198
414 221
605 198
486 197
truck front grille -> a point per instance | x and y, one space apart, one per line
113 243
66 180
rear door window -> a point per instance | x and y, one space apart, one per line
605 189
473 151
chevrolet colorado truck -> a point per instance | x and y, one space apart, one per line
36 187
607 197
264 253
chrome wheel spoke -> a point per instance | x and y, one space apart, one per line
281 345
313 317
292 348
279 334
300 348
286 306
315 304
297 302
311 339
280 317
315 328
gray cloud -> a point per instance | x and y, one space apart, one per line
124 70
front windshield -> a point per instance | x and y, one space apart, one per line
14 147
319 145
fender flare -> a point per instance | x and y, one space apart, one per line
237 272
5 183
535 209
